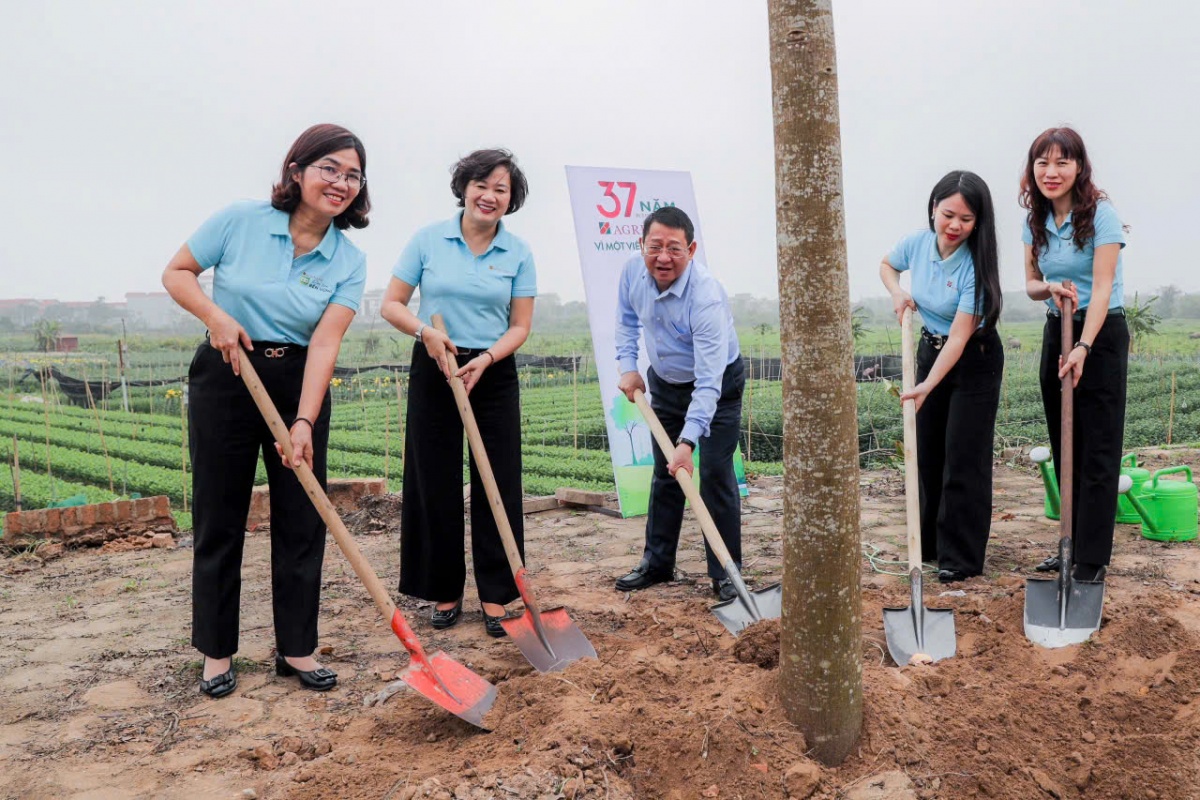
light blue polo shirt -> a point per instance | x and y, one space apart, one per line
258 281
472 293
940 288
1062 260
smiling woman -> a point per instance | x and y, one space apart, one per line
481 279
287 283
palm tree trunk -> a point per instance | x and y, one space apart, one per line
821 643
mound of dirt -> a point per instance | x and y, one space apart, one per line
759 644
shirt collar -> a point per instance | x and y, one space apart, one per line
277 225
452 229
1067 225
951 263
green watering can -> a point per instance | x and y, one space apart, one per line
1168 509
1126 513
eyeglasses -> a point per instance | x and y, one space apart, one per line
332 175
674 251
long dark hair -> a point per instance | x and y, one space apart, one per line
982 241
1084 194
312 145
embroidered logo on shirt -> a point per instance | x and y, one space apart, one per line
313 282
949 284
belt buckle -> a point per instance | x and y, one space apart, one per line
274 352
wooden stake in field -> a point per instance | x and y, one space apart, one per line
387 437
749 403
121 369
100 429
46 416
16 474
575 398
1171 418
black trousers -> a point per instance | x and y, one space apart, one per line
1099 413
432 562
226 435
955 430
718 483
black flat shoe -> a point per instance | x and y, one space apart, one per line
642 576
1089 572
950 576
319 680
1051 564
220 685
492 625
442 619
723 589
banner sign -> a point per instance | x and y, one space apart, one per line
609 206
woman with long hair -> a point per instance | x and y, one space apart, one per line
481 278
955 281
1072 232
286 285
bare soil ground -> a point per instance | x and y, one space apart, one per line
98 691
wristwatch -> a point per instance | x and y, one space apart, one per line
417 333
688 442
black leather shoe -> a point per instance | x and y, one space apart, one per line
1090 572
642 576
445 619
1051 564
492 625
220 685
950 576
723 589
319 680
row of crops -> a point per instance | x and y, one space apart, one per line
103 452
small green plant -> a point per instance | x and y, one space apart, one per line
131 585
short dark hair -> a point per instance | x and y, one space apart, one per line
313 145
670 217
479 165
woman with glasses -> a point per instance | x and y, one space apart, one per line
481 279
286 285
955 282
1073 233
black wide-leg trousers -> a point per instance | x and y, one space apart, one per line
226 436
718 483
432 561
955 431
1099 412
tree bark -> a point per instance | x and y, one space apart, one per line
821 647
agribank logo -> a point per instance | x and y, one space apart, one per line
618 197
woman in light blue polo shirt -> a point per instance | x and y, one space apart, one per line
286 285
955 279
1072 232
481 279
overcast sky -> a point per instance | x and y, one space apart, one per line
125 124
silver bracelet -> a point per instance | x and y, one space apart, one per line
417 333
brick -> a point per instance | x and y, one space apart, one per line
13 525
86 515
143 509
580 497
51 520
106 513
68 518
161 506
123 511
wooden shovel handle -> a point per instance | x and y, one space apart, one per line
1066 455
481 458
311 485
707 526
912 487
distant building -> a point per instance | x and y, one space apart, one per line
66 344
152 310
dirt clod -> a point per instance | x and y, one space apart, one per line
759 644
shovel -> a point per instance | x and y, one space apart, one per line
549 639
1063 611
748 607
916 634
440 678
